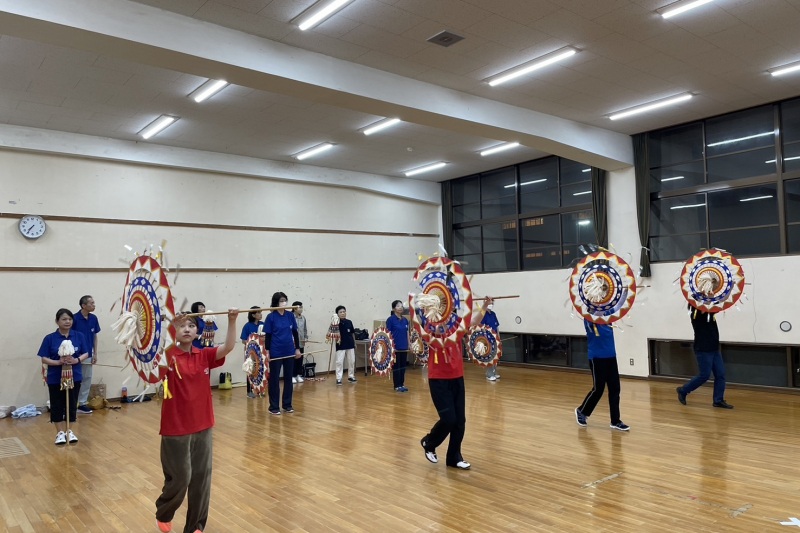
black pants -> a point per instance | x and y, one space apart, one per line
604 372
274 383
298 364
448 398
58 402
186 462
399 370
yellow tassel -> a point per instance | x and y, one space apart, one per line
694 315
167 393
596 333
435 358
177 370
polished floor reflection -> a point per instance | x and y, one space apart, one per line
349 460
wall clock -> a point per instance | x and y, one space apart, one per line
32 226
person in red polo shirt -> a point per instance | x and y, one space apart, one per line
446 382
187 416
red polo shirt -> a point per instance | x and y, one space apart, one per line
190 409
445 363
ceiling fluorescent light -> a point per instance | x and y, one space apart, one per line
586 170
650 106
785 69
319 12
785 159
681 7
738 139
581 193
756 198
687 206
314 150
499 148
530 66
672 178
381 125
207 90
525 183
157 126
584 222
426 168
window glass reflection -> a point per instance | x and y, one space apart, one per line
737 208
744 165
745 130
466 190
677 177
675 145
678 215
574 172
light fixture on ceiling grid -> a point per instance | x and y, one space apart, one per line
157 126
426 168
788 68
499 148
650 106
676 8
531 66
314 150
207 90
319 12
381 125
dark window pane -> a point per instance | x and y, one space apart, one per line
500 237
790 120
541 169
466 213
676 177
737 208
676 247
546 349
512 349
579 352
754 241
538 201
577 228
541 258
792 190
499 207
744 165
467 241
791 157
756 365
498 183
674 358
574 172
467 191
541 231
745 130
470 263
500 262
571 253
538 185
793 233
676 145
681 214
578 194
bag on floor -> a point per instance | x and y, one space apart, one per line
310 367
225 380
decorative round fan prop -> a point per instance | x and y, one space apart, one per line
441 305
381 351
712 280
256 365
483 345
419 347
602 287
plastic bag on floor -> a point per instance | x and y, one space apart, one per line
26 411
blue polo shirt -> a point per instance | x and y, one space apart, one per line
398 327
248 329
49 349
89 327
279 327
601 342
490 320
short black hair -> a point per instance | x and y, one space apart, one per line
394 303
339 308
62 312
196 307
251 316
84 300
277 298
297 304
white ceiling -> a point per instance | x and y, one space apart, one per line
629 55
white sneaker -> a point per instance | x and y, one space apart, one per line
300 379
71 437
294 379
492 378
463 465
61 438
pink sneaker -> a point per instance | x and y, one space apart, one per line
166 527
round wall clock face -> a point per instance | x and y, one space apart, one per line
786 326
32 226
518 320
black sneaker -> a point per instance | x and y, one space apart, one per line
681 395
338 381
621 426
352 380
84 409
429 455
580 418
723 405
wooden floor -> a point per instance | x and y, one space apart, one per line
349 460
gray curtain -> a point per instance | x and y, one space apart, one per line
600 206
447 217
641 164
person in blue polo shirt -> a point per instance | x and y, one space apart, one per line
280 344
603 364
85 321
397 325
490 320
252 326
48 351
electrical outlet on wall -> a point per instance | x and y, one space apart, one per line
631 361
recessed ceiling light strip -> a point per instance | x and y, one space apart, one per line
426 168
208 89
644 108
314 150
499 148
321 11
381 125
681 7
530 66
157 126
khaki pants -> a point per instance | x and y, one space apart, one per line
351 363
186 462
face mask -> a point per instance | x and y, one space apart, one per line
281 304
490 307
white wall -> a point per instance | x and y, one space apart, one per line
88 255
659 311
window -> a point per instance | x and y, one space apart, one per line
531 216
724 182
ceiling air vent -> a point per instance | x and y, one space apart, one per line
445 38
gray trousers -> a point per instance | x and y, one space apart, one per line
186 462
86 369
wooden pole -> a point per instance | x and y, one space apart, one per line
287 308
